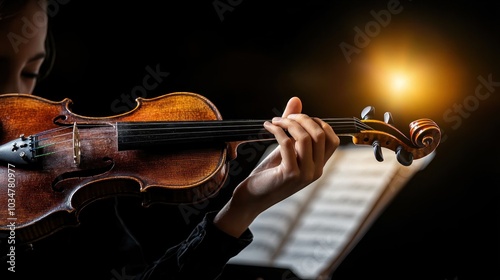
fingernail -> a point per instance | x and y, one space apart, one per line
276 119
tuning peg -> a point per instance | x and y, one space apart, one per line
388 118
377 151
368 112
404 157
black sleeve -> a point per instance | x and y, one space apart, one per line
203 255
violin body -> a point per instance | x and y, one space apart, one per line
49 194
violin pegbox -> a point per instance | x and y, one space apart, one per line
425 135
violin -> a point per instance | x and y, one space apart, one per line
174 148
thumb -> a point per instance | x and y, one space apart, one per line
294 106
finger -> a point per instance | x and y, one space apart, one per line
332 140
286 144
303 142
317 135
294 106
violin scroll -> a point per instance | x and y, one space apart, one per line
424 132
425 136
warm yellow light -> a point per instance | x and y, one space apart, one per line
408 76
399 83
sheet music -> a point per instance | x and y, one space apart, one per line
310 229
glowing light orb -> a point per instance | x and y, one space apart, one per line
399 83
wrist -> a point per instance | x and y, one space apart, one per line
233 219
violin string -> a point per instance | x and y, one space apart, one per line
234 128
219 129
56 131
244 121
177 136
351 126
220 125
52 130
207 125
202 133
223 123
57 144
39 141
53 152
37 147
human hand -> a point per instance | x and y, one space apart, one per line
295 163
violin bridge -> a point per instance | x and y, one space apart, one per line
76 145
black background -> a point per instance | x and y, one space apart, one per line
443 225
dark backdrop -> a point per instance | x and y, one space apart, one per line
249 57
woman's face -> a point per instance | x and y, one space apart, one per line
22 48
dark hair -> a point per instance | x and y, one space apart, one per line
50 56
8 9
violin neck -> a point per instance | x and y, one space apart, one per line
142 135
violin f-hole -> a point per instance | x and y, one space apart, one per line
59 118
